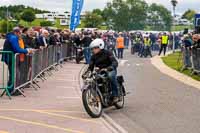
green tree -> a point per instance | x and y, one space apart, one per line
159 17
189 14
126 14
15 10
28 16
97 11
92 20
46 23
4 25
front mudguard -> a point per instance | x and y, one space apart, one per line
85 87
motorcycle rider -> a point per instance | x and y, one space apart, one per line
104 59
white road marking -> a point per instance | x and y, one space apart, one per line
138 64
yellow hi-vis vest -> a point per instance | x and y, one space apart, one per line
147 42
165 40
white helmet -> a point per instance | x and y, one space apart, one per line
97 43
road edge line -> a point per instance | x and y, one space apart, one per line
115 127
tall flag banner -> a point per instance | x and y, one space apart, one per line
77 6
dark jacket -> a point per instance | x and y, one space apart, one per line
102 60
52 40
29 42
86 41
40 41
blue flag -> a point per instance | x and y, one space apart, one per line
77 6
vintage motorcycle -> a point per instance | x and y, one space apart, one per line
97 92
79 54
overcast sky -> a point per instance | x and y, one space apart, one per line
63 5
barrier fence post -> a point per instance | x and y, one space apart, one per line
195 55
7 66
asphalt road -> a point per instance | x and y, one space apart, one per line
56 107
156 103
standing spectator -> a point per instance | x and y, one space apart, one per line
186 48
29 39
164 43
12 44
147 46
126 40
120 46
24 32
171 38
52 38
42 40
112 44
86 47
153 41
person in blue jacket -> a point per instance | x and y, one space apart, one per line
12 44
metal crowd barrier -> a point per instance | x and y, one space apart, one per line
7 72
196 60
186 57
30 67
191 59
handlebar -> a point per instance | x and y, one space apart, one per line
88 74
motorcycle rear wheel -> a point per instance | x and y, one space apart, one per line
120 104
92 104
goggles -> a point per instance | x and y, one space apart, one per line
95 48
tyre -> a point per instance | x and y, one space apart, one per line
92 104
120 104
77 60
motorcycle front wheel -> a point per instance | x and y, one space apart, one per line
92 104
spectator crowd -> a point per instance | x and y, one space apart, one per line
27 40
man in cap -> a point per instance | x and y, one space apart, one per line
12 44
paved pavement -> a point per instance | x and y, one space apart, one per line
55 108
157 103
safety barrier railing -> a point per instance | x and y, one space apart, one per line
196 60
7 72
27 68
191 59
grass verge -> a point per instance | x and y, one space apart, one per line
175 62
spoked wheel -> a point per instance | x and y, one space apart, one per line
121 102
92 103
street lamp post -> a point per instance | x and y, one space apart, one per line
7 21
174 4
